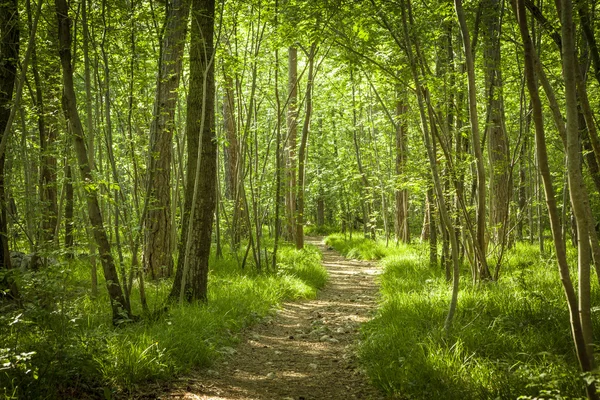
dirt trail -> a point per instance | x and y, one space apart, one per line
306 351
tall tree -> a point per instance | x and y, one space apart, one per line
292 133
191 278
302 150
120 307
46 107
9 57
401 226
480 243
498 150
585 358
158 249
577 189
89 125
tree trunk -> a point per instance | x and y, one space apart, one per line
578 191
480 243
302 151
69 211
9 57
278 156
422 100
401 195
120 307
231 150
47 126
292 127
585 358
320 212
89 130
498 150
158 249
522 186
194 249
233 168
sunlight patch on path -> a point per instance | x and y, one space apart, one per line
306 351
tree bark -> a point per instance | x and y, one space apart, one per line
278 155
69 209
191 278
401 195
585 358
89 130
292 127
158 249
498 146
578 191
9 57
47 127
302 150
480 243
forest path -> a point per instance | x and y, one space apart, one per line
304 352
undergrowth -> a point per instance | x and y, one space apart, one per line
510 339
61 343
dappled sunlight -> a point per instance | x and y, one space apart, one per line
306 349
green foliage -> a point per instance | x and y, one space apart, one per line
359 247
510 338
315 230
62 344
304 265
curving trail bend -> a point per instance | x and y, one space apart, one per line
304 352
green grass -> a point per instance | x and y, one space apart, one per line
62 343
359 247
509 338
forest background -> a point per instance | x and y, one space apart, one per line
155 154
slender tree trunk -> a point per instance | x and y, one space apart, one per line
90 131
9 57
120 307
498 146
158 249
29 187
47 126
302 150
585 358
433 231
231 150
192 268
427 139
233 169
480 243
69 211
522 187
578 191
401 195
278 155
292 127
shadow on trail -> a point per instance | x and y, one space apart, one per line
306 351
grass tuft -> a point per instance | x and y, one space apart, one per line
510 339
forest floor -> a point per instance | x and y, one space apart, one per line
305 351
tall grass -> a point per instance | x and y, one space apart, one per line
359 247
510 339
62 343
